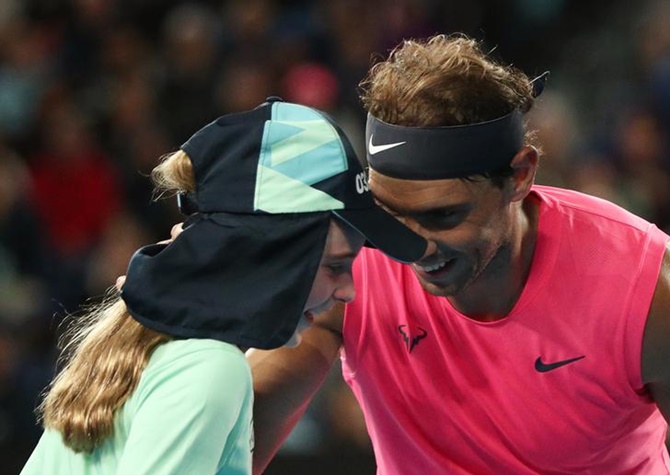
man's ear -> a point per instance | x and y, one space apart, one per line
524 166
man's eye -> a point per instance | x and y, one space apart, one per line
447 216
441 220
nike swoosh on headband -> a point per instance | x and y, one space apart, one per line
373 149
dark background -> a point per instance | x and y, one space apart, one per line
93 92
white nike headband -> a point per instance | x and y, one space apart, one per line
430 153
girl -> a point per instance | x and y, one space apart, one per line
156 381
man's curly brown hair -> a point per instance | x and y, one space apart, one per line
442 81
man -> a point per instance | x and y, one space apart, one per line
534 338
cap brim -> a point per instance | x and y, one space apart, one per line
385 233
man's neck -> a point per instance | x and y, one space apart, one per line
494 293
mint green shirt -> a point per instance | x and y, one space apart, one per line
190 414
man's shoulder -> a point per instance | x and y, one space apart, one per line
579 206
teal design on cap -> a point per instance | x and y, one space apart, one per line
299 148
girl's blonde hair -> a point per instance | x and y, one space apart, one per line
105 351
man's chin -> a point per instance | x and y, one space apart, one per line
438 290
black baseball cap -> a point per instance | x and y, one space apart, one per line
288 158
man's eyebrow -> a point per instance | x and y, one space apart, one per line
383 205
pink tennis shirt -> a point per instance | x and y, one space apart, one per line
554 387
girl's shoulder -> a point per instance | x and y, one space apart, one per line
211 357
194 349
198 369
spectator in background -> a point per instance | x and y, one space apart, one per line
76 193
135 136
25 334
23 255
242 82
191 41
24 73
640 151
555 125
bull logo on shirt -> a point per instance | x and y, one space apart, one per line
412 335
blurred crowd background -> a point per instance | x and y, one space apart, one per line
93 92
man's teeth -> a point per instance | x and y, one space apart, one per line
435 267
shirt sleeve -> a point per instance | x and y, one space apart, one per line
183 413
